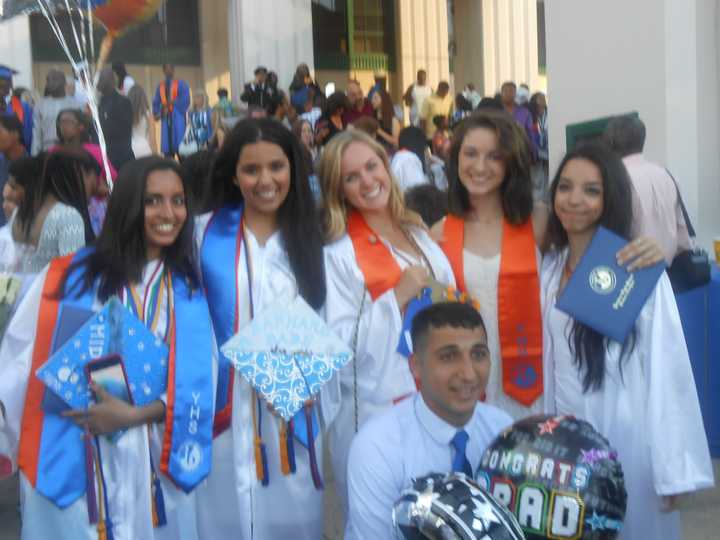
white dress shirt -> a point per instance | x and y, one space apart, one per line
406 442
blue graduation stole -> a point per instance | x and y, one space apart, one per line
53 452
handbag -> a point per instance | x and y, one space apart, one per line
189 144
690 268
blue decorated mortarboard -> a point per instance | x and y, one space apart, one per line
112 330
287 353
6 72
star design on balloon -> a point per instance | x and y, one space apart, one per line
483 516
548 426
597 522
592 456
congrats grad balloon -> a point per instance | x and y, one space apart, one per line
560 478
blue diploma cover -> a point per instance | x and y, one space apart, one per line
603 294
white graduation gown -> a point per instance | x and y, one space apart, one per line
650 413
383 375
126 463
233 503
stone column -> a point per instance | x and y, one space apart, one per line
276 34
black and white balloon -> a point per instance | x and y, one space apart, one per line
452 507
560 478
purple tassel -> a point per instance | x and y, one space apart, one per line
291 445
266 475
317 480
90 481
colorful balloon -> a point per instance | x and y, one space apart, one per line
560 478
119 16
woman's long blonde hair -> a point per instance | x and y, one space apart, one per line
335 209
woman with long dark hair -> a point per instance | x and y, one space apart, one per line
53 216
640 394
379 256
261 245
493 237
384 111
76 481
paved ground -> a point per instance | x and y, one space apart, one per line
700 513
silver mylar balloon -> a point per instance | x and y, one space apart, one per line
452 507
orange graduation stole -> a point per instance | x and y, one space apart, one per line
378 266
519 314
173 94
17 108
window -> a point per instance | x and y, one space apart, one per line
141 45
330 34
357 34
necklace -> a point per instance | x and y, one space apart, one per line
416 247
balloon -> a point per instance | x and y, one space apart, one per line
452 507
559 477
119 16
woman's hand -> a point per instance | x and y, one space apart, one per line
110 414
669 503
640 253
413 280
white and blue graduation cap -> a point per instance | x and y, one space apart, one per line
287 353
6 72
114 329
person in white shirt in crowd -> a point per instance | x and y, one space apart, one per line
472 95
124 81
415 96
408 163
656 203
442 428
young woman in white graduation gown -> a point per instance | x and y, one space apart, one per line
378 258
143 255
640 394
260 245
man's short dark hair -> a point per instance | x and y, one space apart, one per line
625 135
260 69
428 201
454 314
508 83
11 123
443 86
222 93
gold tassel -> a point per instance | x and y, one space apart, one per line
284 460
102 530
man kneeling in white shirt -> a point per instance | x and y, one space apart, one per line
442 428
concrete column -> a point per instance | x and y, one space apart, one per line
421 41
496 41
658 57
214 45
273 33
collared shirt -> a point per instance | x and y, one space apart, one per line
656 210
404 443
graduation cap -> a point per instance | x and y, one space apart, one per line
287 353
112 330
6 72
435 293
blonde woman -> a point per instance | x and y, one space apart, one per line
144 142
200 119
379 257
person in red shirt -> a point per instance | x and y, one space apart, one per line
359 106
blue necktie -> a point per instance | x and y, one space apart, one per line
460 462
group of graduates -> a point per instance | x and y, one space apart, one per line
359 260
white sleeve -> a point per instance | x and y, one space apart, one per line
380 323
371 487
676 436
16 360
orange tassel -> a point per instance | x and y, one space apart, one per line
102 530
284 460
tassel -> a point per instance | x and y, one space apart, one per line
259 469
317 480
90 480
158 500
291 445
284 461
101 530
